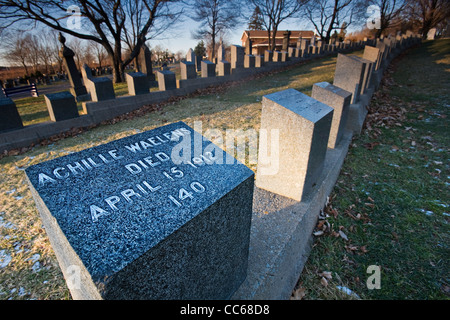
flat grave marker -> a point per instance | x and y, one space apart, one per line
148 216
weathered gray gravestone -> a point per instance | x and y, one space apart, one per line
237 56
339 100
100 88
190 56
137 83
166 80
349 75
302 125
61 106
187 69
151 216
145 62
223 66
372 54
208 69
259 61
368 65
10 118
248 47
286 40
268 56
249 61
66 54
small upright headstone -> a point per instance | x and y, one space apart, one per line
137 83
268 56
77 87
339 100
155 215
100 88
208 69
166 80
286 40
372 54
302 125
187 69
223 66
190 56
368 66
248 47
276 56
61 106
221 52
237 56
86 72
249 61
349 75
145 62
10 118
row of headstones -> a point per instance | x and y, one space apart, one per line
62 106
205 257
319 121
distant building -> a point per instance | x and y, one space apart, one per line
260 41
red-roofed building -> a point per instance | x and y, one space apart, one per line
260 41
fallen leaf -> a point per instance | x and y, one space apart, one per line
318 233
343 235
324 282
326 274
299 294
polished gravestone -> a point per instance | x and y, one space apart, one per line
157 215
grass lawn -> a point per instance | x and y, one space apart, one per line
392 198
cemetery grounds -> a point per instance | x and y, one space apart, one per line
389 208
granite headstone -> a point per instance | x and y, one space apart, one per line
10 118
61 106
339 100
302 125
156 215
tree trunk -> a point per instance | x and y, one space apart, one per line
118 66
274 38
118 70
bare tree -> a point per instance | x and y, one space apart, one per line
103 21
46 48
274 12
54 44
390 11
215 17
428 13
328 15
99 53
16 50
